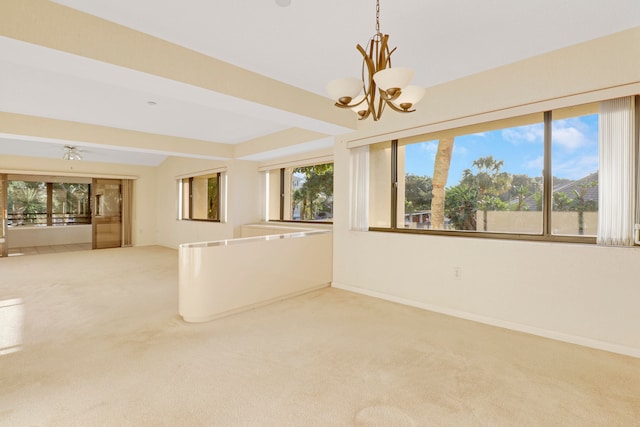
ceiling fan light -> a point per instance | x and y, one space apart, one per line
409 97
71 153
344 90
391 79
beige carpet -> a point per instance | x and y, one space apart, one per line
103 346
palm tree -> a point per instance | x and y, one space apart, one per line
490 183
582 205
27 200
440 176
461 207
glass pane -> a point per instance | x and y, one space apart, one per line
70 204
204 193
26 203
312 193
491 176
575 175
184 193
380 185
107 220
273 191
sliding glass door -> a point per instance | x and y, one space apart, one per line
107 213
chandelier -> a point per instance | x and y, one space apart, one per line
382 85
71 153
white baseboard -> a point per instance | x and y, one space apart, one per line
559 336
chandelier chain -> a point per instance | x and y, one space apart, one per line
378 17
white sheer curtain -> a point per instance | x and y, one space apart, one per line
617 172
359 188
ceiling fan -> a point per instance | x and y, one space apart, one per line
71 153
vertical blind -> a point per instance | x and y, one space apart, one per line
617 172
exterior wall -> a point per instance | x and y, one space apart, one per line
144 187
522 222
585 294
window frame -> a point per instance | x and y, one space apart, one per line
221 196
285 193
49 214
547 206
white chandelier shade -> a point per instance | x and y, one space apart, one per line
393 79
409 97
344 89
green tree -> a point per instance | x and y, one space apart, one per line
315 195
212 197
490 184
26 200
461 207
522 186
417 193
562 202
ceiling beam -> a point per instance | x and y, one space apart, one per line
122 139
58 27
277 140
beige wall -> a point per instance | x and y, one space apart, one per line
144 215
579 293
21 237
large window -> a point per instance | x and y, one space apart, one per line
42 203
302 193
200 197
534 176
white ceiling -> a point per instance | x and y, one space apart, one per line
305 45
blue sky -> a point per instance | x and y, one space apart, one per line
574 153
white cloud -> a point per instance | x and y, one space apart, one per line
574 133
576 168
536 164
460 150
430 147
569 138
524 134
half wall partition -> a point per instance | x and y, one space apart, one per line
227 276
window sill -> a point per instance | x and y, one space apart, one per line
485 235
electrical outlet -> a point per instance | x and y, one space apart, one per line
457 273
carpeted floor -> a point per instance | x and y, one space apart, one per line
103 346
